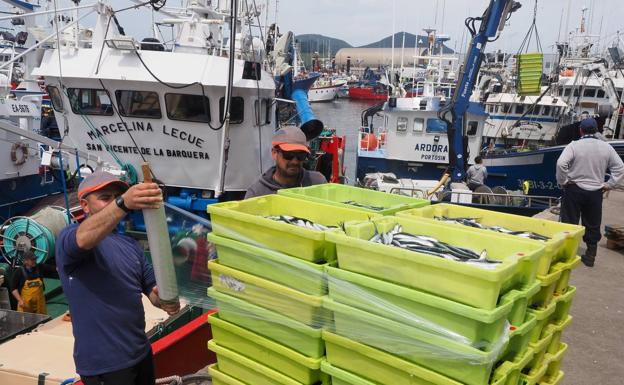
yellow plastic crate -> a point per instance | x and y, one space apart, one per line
564 238
299 306
273 355
539 354
564 302
246 221
543 319
337 194
342 377
508 372
555 380
461 282
555 360
555 330
246 370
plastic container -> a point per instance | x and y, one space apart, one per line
342 377
246 221
548 284
247 370
564 238
472 285
519 338
518 312
301 307
554 360
564 302
555 330
556 380
275 356
543 318
295 273
533 378
539 354
337 194
443 355
508 372
566 270
421 309
220 378
375 365
281 329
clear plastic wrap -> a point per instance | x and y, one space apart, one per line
300 303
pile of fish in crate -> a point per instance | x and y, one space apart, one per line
341 285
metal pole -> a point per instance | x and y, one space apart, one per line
64 184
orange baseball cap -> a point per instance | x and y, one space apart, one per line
98 180
290 138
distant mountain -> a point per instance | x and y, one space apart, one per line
410 41
310 43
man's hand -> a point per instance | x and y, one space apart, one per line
143 196
170 308
21 303
606 187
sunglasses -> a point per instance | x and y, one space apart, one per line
290 155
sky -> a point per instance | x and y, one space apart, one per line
360 22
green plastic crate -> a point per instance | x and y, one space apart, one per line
247 370
284 330
555 330
564 238
548 283
336 194
377 366
295 273
472 285
422 310
342 377
220 378
275 356
534 377
563 283
301 307
564 302
555 380
555 360
539 354
519 338
245 221
523 295
508 372
542 316
443 355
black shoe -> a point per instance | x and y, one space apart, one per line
590 255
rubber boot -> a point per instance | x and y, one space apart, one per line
590 255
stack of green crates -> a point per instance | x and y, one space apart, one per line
529 72
551 304
403 313
268 284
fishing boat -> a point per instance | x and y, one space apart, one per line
325 90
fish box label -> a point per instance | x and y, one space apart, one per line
231 283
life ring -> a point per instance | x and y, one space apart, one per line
17 149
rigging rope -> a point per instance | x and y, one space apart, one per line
532 30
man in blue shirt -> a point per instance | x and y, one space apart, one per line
104 275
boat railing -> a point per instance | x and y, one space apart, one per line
368 143
484 197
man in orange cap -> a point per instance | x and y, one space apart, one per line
104 275
290 151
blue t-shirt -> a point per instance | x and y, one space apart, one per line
104 286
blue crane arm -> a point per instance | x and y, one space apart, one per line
492 22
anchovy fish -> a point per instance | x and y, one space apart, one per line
474 222
354 203
301 222
432 246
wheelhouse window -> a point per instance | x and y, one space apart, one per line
263 112
472 128
600 93
556 112
577 92
237 109
56 98
546 110
589 93
138 104
187 107
536 110
436 126
419 124
401 124
88 101
567 91
520 109
506 108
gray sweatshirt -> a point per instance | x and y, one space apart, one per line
477 173
585 162
266 185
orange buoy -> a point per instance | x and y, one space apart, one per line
368 142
